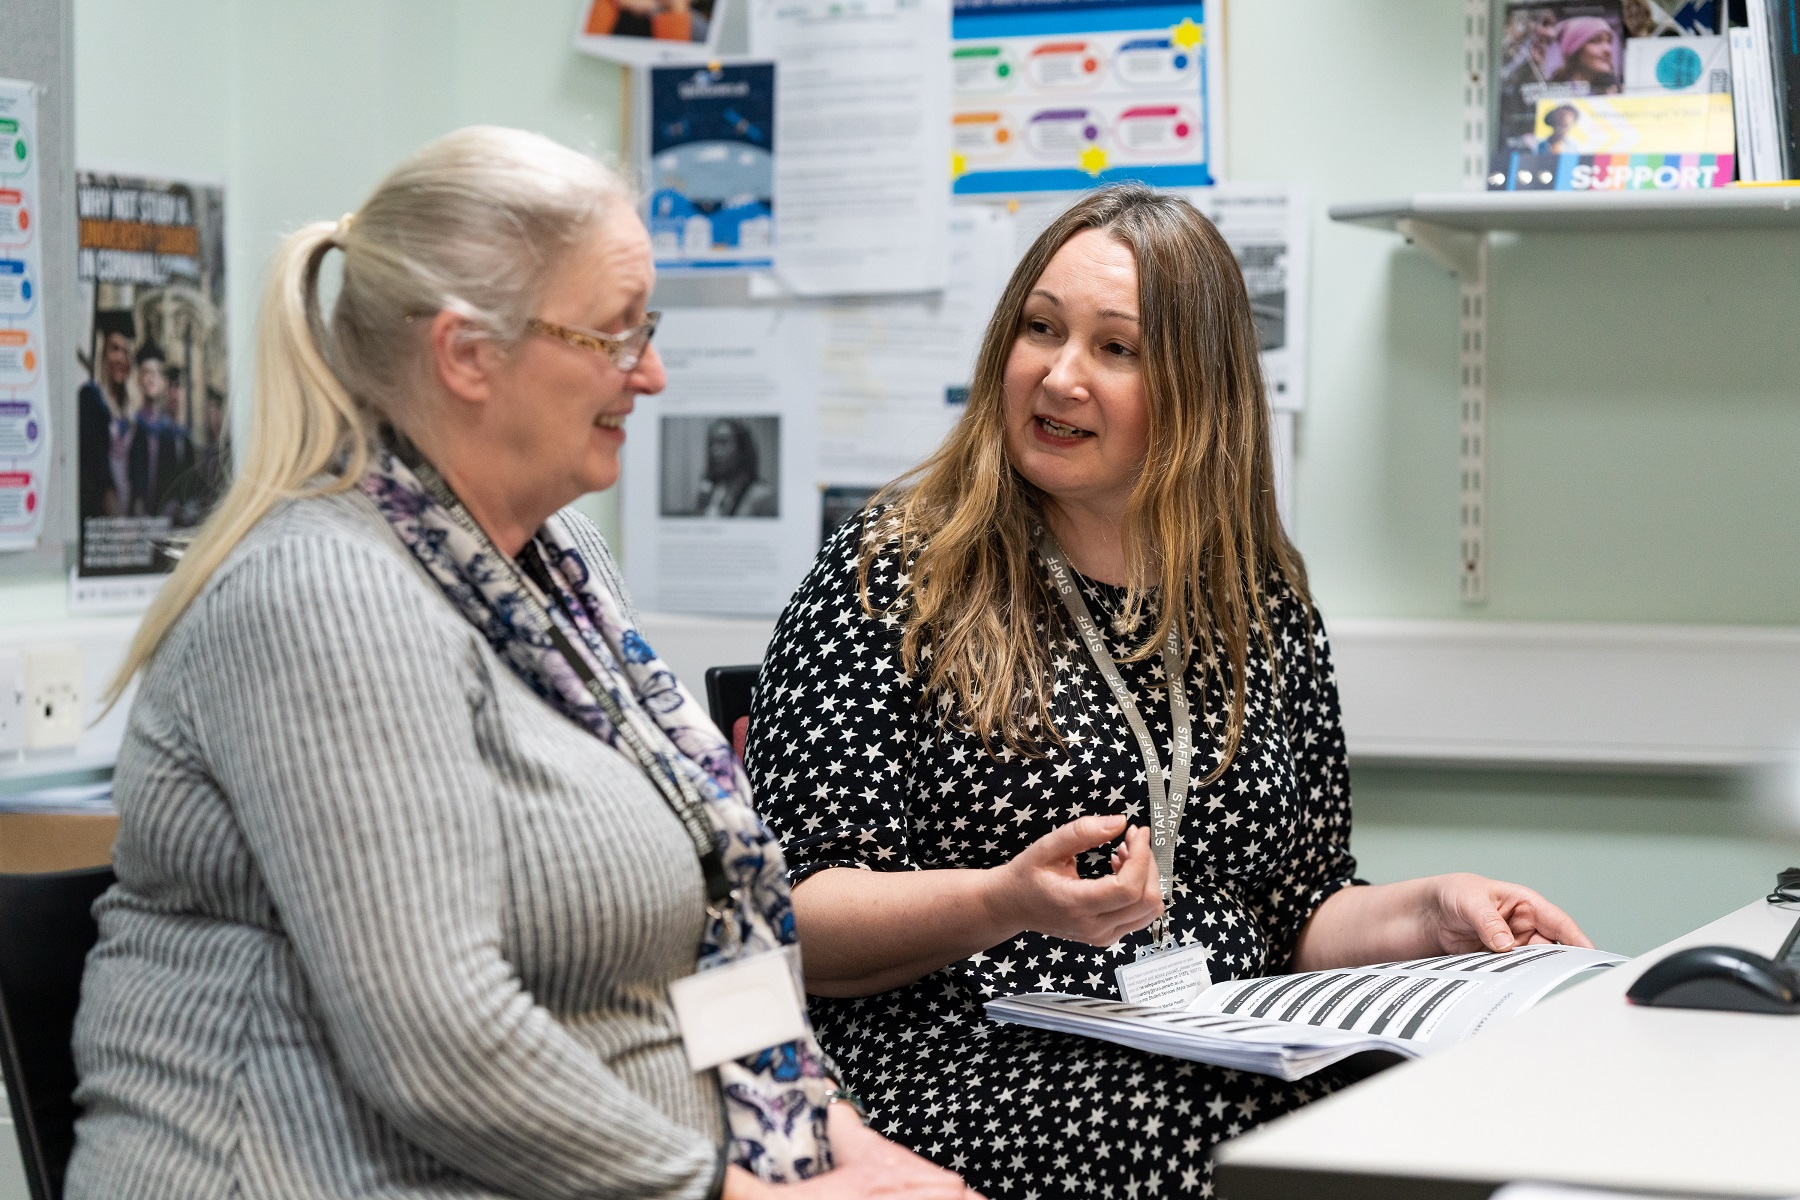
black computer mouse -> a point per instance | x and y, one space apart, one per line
1720 977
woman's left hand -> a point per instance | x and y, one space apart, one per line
1463 913
1422 918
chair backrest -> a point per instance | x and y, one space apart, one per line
729 691
46 930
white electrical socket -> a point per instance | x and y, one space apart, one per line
12 702
52 696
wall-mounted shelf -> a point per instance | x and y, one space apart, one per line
1453 228
1586 212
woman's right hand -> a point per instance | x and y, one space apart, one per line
866 1165
1042 891
867 932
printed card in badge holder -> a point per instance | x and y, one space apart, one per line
736 1010
1167 978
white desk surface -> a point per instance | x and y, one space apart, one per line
1584 1089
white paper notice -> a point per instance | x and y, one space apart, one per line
895 374
863 137
721 508
24 406
1269 229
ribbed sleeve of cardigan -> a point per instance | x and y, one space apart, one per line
336 714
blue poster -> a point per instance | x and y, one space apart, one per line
712 167
1065 95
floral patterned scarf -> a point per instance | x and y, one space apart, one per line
774 1101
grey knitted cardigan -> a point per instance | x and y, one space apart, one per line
386 923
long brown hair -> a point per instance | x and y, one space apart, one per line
1201 528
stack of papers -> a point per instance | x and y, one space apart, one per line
1264 1047
1292 1025
76 798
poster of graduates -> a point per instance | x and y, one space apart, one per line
154 390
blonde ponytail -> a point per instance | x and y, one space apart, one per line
303 425
475 222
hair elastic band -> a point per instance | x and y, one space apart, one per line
343 228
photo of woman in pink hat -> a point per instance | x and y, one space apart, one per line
1586 51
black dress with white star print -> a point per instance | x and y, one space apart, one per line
853 768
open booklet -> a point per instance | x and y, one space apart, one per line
1292 1025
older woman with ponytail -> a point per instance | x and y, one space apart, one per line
417 834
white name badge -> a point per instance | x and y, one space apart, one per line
736 1010
1166 980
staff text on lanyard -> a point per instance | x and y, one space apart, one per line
1166 804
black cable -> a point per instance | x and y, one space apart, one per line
1787 887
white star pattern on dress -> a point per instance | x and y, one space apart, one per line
853 768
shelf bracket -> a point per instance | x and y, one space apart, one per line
1465 255
1455 250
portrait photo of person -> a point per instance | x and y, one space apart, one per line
721 466
1586 53
1561 120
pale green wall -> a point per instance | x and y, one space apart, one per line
1644 414
1642 425
1641 415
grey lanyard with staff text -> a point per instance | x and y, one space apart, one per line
1166 805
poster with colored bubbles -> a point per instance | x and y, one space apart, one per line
710 139
1065 95
151 405
24 397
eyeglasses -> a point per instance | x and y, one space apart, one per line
625 349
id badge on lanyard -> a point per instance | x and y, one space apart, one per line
739 1009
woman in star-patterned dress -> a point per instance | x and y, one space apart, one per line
962 801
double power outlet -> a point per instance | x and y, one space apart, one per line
40 697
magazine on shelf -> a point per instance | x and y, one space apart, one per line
1765 90
1784 79
1290 1026
1534 64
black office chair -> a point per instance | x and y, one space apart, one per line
729 691
46 930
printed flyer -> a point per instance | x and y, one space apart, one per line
865 101
719 505
1657 124
24 397
1064 95
152 404
711 188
